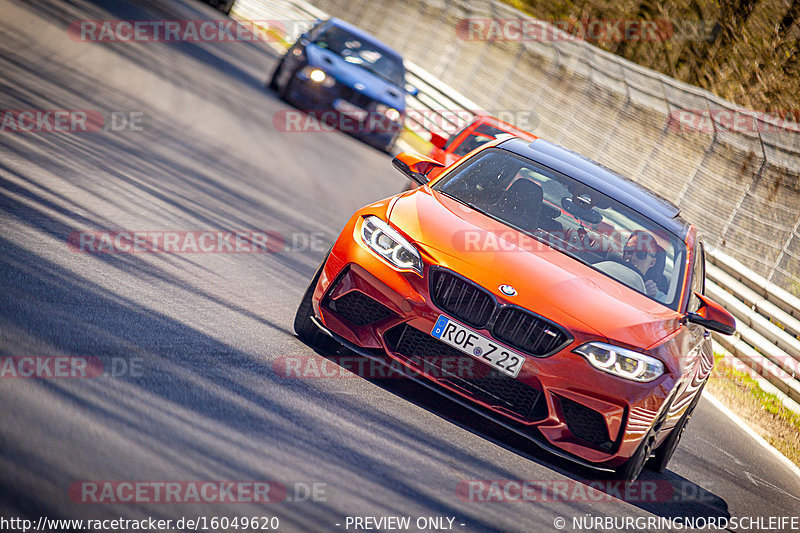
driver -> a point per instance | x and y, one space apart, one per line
640 254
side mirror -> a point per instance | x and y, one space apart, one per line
712 316
410 89
415 166
438 140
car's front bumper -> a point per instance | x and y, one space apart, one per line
319 101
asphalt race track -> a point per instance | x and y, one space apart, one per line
192 343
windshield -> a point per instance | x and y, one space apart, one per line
365 54
567 215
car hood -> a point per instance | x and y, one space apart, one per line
547 281
349 74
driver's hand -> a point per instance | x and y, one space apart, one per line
650 288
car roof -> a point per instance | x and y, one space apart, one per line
361 34
603 179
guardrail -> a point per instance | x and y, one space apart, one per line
768 317
768 322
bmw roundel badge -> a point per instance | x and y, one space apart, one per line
508 290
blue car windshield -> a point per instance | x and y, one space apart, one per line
365 54
560 212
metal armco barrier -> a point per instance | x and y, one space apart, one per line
768 322
743 190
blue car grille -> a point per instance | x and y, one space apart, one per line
354 97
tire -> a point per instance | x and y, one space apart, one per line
664 452
631 469
273 81
389 148
305 328
283 92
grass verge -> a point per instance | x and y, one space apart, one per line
760 409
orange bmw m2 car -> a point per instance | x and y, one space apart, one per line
537 288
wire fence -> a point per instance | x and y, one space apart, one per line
733 172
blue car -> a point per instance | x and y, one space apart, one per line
346 78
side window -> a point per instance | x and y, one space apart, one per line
482 134
698 277
454 136
317 30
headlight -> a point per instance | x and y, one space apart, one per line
389 112
319 76
390 245
621 362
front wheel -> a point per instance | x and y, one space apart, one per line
285 91
634 466
273 81
304 326
664 452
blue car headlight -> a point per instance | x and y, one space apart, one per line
318 75
390 245
389 112
621 362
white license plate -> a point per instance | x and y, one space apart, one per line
478 346
351 110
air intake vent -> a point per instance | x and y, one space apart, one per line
358 308
480 381
586 424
